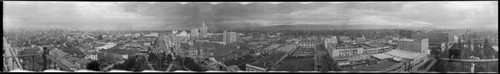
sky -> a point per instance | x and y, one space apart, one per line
223 15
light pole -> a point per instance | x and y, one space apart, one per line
473 64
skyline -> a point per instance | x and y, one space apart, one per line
230 15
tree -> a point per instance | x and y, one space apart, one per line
169 57
94 65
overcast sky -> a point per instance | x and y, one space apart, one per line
168 16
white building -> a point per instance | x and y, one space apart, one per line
91 57
409 61
330 41
414 45
106 46
152 35
229 37
183 34
195 32
345 52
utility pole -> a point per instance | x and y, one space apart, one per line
44 56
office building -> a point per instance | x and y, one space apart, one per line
195 32
229 37
414 45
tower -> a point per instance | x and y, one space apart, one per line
203 30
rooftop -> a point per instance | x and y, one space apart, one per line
269 60
296 64
272 46
239 61
405 54
382 64
287 48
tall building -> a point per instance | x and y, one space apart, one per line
204 30
195 32
229 37
414 45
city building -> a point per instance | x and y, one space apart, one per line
414 45
271 61
266 63
308 44
302 52
91 57
152 35
391 61
361 39
330 41
204 30
195 32
408 61
345 39
339 52
270 48
346 51
436 37
106 46
229 37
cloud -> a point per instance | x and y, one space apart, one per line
171 15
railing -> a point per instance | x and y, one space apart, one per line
470 60
51 58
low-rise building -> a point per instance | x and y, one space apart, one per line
106 46
345 51
331 42
408 61
267 63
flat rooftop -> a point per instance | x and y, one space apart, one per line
384 63
296 64
269 60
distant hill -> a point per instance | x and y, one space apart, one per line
327 27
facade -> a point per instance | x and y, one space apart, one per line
229 37
350 50
345 52
409 61
91 57
415 45
330 41
183 34
374 50
308 44
195 32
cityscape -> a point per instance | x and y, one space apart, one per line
44 36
